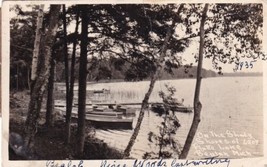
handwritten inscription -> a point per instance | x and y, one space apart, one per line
226 144
106 163
151 163
67 164
206 161
164 163
245 64
137 163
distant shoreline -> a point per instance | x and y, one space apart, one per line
121 80
243 74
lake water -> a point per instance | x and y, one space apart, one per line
231 118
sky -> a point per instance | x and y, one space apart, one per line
192 50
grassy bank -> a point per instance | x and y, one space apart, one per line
50 142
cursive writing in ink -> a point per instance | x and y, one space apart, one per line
206 161
68 164
105 163
150 163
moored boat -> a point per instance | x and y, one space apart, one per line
159 108
116 114
102 117
127 111
98 109
107 122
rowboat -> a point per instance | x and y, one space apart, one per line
159 108
107 118
98 109
105 113
183 109
107 121
127 111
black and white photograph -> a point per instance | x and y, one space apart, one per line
136 81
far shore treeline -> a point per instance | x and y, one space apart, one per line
115 69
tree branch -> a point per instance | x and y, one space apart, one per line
20 47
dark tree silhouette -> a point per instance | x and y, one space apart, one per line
43 75
82 81
160 63
72 79
197 104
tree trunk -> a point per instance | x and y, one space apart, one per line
37 45
162 135
28 77
66 59
50 95
17 79
82 82
42 79
72 79
197 104
160 64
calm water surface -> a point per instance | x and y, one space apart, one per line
232 104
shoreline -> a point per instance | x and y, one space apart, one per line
53 138
121 80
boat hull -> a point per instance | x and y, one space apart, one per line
158 108
107 122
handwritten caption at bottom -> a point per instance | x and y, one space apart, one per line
164 163
148 163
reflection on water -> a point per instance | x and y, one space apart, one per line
228 104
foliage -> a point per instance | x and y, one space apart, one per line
22 34
235 33
135 32
122 31
167 129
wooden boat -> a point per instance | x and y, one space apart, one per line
107 121
106 118
127 111
98 109
159 108
183 109
100 91
106 113
111 123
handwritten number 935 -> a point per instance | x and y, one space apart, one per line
244 64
